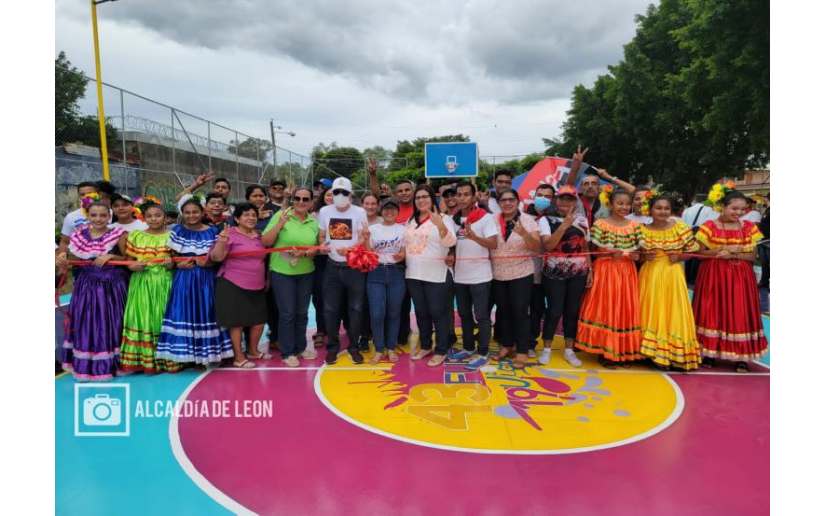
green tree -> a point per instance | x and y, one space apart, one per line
252 148
688 103
70 126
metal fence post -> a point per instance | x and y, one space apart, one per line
237 159
209 142
174 144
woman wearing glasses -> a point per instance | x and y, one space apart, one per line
291 274
428 237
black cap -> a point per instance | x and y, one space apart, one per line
391 202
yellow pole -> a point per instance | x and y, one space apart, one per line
101 116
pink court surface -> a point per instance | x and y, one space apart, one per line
407 439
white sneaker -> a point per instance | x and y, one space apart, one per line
531 353
571 358
292 361
309 353
544 358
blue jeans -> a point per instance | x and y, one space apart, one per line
292 295
385 291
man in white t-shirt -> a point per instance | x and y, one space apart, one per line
342 227
502 180
477 234
699 213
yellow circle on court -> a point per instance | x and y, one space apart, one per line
498 409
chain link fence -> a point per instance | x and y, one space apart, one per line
156 149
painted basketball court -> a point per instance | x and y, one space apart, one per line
408 439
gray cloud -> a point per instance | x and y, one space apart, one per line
508 51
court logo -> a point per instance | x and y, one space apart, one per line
501 409
101 410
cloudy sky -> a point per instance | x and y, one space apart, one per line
360 73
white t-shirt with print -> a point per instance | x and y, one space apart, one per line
387 241
476 270
73 220
341 228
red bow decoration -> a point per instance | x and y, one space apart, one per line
361 259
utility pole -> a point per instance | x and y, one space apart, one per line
274 148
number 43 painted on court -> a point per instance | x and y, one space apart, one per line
448 405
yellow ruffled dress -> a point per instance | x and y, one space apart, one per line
668 328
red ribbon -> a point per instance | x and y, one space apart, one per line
361 259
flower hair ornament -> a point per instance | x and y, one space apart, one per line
142 201
648 196
87 201
604 195
717 193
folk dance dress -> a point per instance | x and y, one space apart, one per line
94 320
146 304
668 328
609 319
725 299
190 332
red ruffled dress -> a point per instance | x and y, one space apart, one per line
725 298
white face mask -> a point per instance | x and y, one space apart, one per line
341 201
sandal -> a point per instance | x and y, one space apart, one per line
421 353
376 358
263 355
244 364
393 356
436 360
504 353
742 367
607 364
521 361
708 362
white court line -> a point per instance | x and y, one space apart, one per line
670 373
677 411
177 449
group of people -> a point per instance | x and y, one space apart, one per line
161 294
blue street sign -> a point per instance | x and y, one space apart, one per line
451 159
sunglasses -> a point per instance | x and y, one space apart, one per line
301 199
339 191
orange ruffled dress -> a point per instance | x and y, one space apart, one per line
668 328
609 318
725 298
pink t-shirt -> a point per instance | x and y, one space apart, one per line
505 267
246 272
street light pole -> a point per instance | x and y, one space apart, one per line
101 116
272 129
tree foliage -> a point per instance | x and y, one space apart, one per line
69 124
689 102
252 148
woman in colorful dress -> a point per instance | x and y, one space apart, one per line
190 332
609 320
725 299
91 346
668 328
567 271
512 263
149 288
240 288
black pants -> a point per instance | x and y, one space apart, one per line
764 252
539 309
474 307
565 300
406 308
318 292
513 315
431 309
342 283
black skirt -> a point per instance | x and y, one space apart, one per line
236 306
